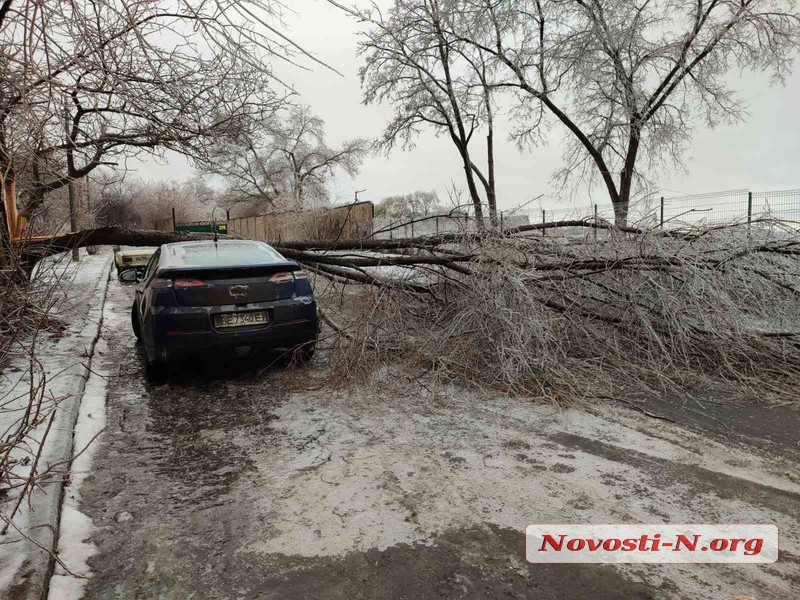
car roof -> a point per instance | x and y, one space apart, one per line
142 249
223 253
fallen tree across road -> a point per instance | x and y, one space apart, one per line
555 315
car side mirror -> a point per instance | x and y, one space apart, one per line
129 275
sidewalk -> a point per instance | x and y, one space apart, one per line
25 567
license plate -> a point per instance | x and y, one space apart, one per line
243 319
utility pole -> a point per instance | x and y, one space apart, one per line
73 200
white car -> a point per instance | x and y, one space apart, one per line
132 257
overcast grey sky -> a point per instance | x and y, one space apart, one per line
761 154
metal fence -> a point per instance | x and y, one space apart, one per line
203 227
356 221
731 206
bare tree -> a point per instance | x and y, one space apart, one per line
408 205
133 203
88 83
414 61
628 79
285 162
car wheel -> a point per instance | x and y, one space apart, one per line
155 369
137 331
304 353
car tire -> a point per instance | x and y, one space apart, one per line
304 353
137 330
155 371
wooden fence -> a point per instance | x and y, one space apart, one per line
352 221
163 224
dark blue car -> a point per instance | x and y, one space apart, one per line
202 296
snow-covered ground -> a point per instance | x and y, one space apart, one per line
229 481
74 547
65 359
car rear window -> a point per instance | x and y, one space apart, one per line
223 254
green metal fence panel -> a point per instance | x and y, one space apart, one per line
222 228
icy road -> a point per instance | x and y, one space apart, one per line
231 483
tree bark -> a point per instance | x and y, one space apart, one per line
8 223
73 216
473 189
621 213
626 178
491 194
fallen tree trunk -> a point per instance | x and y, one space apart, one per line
106 236
103 236
45 246
534 314
449 251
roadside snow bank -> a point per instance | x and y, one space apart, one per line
25 559
74 547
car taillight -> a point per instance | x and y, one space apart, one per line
189 283
281 277
158 284
300 275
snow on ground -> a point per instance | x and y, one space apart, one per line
64 358
397 475
226 483
74 547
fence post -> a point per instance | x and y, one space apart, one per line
501 221
412 226
749 208
662 212
391 224
437 226
544 220
595 223
174 224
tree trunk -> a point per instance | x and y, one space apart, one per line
73 200
491 194
461 139
73 216
473 191
621 213
622 204
8 219
3 239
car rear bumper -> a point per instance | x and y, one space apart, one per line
182 331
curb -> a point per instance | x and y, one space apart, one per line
33 579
